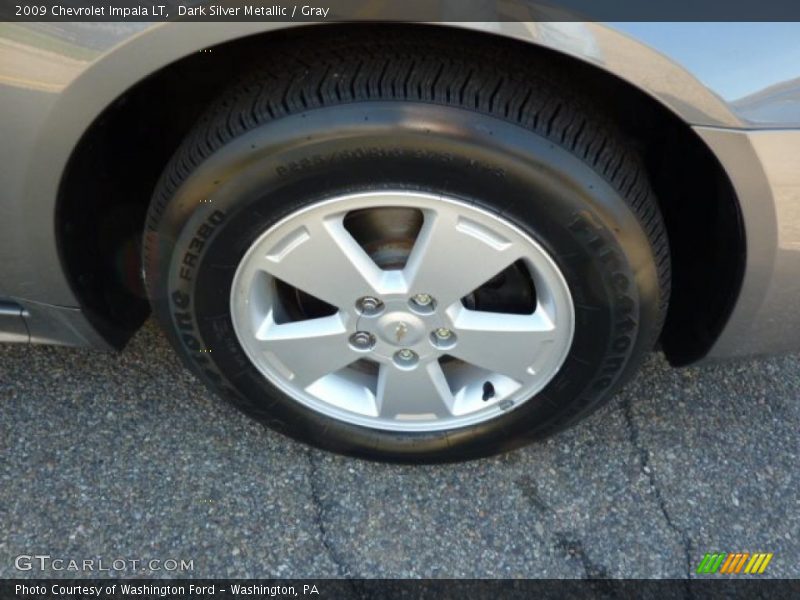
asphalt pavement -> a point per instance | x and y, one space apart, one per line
127 457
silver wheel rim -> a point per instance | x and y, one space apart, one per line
399 350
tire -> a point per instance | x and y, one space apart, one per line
428 118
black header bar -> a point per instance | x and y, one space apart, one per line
397 10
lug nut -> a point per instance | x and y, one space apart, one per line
443 338
405 358
422 303
423 299
369 306
362 340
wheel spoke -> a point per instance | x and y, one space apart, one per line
321 258
308 349
420 391
453 255
503 343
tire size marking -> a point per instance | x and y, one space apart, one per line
320 160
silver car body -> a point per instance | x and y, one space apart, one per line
736 84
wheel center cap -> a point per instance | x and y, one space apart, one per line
401 328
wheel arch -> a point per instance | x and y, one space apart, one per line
103 194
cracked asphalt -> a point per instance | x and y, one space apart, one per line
128 456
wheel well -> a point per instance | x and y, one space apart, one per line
111 174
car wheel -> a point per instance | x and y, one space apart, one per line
408 251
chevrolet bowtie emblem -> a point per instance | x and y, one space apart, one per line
400 331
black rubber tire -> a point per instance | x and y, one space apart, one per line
467 120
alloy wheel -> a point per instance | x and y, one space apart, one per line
402 311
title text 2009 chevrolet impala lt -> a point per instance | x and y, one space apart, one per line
404 241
